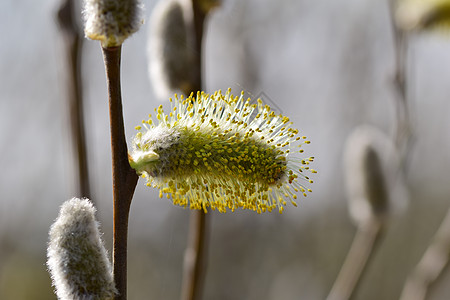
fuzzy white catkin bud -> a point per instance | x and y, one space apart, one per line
112 21
77 259
171 60
419 14
374 183
207 5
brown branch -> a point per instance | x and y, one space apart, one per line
431 266
198 20
404 128
194 257
72 45
124 177
355 263
194 264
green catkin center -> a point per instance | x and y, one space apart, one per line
223 155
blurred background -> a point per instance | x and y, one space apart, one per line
329 65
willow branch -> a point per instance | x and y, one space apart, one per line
194 257
404 129
355 263
124 177
431 266
72 45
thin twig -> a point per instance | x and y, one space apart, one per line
352 270
72 46
199 16
194 257
435 259
431 266
124 177
404 129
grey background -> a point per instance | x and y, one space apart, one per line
327 64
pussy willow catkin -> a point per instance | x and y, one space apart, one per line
221 151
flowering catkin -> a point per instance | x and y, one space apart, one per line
77 259
112 21
221 151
